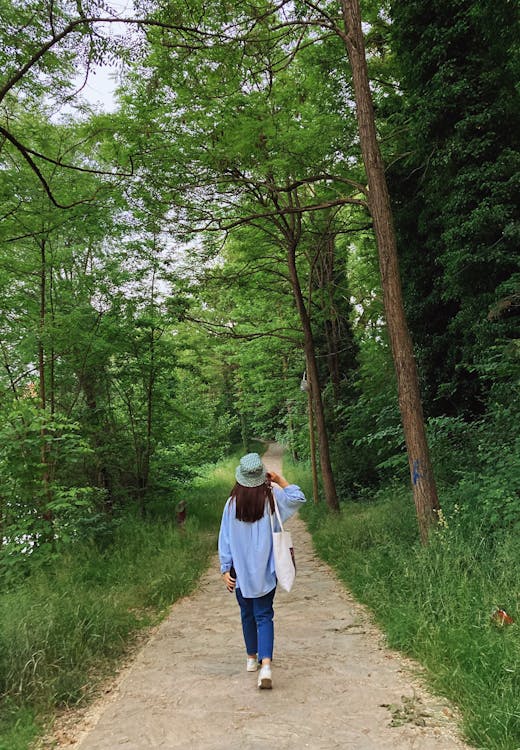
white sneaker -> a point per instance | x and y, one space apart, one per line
252 664
265 680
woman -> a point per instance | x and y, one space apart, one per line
246 554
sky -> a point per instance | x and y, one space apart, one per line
102 81
100 87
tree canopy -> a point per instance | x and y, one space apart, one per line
172 271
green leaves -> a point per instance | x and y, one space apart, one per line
453 191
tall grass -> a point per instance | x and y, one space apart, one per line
62 629
434 603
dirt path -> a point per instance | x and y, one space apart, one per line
334 684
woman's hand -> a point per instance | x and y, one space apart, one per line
230 582
277 478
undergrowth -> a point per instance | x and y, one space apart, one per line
63 627
434 603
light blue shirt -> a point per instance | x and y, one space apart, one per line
249 546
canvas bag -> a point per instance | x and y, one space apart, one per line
283 552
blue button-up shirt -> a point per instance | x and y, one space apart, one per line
248 547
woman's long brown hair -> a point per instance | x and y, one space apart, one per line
250 501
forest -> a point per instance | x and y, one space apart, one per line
300 223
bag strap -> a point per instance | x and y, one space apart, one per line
277 512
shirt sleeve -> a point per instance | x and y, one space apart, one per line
224 548
289 499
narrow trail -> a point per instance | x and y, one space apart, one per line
334 683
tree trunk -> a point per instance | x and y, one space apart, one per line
45 511
312 444
423 482
330 317
289 408
244 432
144 478
86 380
41 327
329 485
10 375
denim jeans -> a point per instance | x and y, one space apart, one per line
257 624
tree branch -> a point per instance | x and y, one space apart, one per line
223 329
81 169
26 155
76 24
290 210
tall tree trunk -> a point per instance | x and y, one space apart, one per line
51 390
329 485
244 432
312 445
103 479
144 474
10 375
423 482
289 408
42 321
330 317
290 430
45 511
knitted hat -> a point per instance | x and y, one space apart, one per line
251 471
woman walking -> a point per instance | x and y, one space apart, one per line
246 554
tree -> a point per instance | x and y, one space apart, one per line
39 248
88 368
259 165
454 190
423 483
41 45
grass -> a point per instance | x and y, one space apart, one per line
18 727
434 603
64 627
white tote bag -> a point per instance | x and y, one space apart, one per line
283 552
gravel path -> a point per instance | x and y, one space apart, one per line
335 685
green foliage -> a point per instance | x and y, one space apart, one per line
486 494
478 462
369 448
453 190
38 511
101 421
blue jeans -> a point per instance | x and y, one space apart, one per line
257 624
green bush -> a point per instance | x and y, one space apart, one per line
477 466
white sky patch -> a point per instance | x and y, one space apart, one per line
100 87
103 80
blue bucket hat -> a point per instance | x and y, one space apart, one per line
250 472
